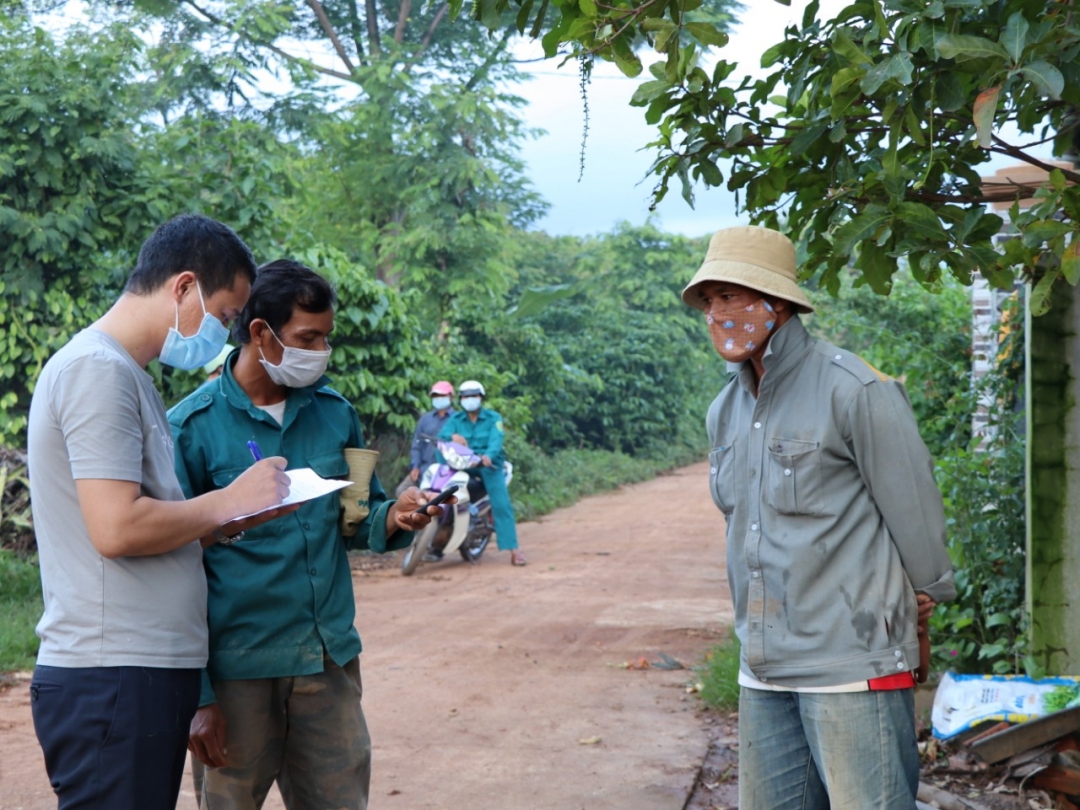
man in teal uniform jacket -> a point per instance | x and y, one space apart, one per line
482 430
281 692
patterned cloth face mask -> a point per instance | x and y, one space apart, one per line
739 332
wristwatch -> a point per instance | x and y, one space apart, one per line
225 539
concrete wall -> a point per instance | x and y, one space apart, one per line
1053 448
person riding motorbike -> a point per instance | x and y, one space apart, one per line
482 429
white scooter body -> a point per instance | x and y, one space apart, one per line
459 514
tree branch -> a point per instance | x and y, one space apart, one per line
324 21
372 17
438 18
492 57
1006 149
402 19
212 18
354 25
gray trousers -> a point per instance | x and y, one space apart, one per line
308 733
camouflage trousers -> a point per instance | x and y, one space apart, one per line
308 733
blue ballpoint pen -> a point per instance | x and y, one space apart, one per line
254 448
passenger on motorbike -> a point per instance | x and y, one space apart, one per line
482 429
422 454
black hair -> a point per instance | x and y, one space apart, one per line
279 287
206 247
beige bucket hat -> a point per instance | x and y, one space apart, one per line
759 258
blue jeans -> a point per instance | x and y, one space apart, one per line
847 751
114 738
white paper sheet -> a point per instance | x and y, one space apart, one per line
304 485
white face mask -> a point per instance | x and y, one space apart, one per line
440 403
470 404
298 368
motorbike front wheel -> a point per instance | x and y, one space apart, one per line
472 548
420 545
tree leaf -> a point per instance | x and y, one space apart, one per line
1040 295
1070 262
707 34
983 115
964 46
1046 77
535 300
859 228
1014 37
843 46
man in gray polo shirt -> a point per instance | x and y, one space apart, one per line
124 634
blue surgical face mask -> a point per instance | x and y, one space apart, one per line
440 403
470 404
190 352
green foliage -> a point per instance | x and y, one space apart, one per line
421 183
922 340
20 608
83 181
16 522
379 361
985 629
635 371
614 32
866 136
719 675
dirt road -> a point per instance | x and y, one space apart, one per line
496 688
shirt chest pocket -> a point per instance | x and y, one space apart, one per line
331 464
793 477
722 478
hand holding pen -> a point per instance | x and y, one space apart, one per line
262 485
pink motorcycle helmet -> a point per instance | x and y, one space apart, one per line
442 388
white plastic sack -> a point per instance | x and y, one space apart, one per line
964 701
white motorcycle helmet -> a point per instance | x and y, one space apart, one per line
470 388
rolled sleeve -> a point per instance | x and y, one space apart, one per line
898 472
372 532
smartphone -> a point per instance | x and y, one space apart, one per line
441 498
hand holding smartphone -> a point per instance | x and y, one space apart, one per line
438 500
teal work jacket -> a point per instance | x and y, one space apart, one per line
282 596
484 436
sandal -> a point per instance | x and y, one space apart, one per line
517 558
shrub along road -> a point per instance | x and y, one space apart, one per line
490 686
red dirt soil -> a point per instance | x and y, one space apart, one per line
490 686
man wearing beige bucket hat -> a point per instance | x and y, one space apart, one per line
281 690
835 542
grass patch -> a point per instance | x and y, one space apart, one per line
720 675
20 609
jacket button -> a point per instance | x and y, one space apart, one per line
757 425
313 572
205 397
787 471
900 665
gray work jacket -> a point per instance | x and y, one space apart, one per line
834 520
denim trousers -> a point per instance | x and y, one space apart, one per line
841 751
